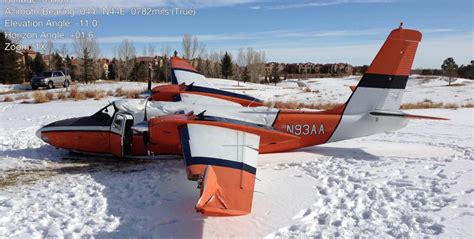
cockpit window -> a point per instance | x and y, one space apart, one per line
106 114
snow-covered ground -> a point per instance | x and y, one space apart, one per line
318 90
324 90
415 182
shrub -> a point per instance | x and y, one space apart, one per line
468 105
40 97
76 94
61 96
7 99
49 95
99 95
119 92
133 94
90 93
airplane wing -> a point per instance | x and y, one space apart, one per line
224 162
183 73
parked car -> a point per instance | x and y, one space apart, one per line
50 79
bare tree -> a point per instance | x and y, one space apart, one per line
64 51
192 47
254 61
151 50
89 45
214 69
165 50
49 47
126 54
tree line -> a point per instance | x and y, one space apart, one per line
249 65
450 69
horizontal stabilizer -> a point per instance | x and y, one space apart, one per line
402 114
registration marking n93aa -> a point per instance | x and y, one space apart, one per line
305 129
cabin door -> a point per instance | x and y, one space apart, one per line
117 136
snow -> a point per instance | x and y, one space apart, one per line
25 90
415 182
325 90
13 87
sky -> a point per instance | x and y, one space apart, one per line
320 31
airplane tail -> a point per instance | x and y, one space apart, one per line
382 86
374 105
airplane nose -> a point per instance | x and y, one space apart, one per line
38 132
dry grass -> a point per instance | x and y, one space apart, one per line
468 105
298 105
427 104
7 99
457 84
133 94
61 96
40 97
49 95
76 94
119 92
99 95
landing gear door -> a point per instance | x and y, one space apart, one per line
117 136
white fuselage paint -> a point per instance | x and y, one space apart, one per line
358 122
192 78
229 144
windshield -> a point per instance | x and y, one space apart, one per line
46 74
106 114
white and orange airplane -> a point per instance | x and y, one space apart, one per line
220 144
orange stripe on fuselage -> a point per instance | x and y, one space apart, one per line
86 141
313 128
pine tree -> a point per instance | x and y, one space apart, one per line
139 72
450 69
112 74
226 65
275 75
88 74
164 73
38 64
199 66
11 71
70 68
466 71
245 75
28 67
57 62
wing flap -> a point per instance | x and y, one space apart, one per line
224 162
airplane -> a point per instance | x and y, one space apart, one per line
187 80
220 143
